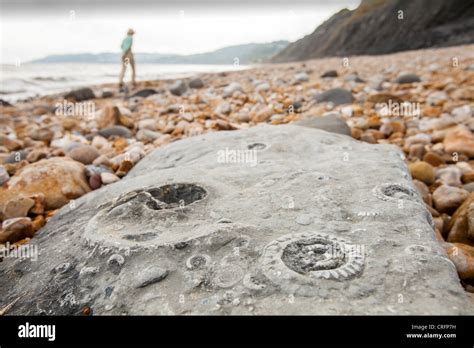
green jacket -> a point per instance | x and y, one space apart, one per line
127 44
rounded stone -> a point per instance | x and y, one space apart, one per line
119 131
16 229
58 179
447 199
95 181
407 78
85 154
337 96
108 178
423 171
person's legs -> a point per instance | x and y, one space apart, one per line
132 64
122 71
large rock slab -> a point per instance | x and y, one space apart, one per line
269 220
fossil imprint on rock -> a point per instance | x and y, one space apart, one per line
306 258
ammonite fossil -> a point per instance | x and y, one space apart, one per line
306 258
394 191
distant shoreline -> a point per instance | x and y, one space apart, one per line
39 80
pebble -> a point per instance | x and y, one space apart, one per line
437 98
10 144
354 78
147 136
16 229
430 124
178 88
469 187
58 179
17 207
223 108
230 89
368 138
124 168
92 169
301 77
36 155
462 113
464 167
107 94
329 73
459 140
108 117
100 143
119 131
144 93
148 123
108 178
468 177
263 87
41 133
420 138
447 198
85 154
417 151
330 123
422 171
95 181
337 96
196 83
462 256
461 225
433 158
407 78
80 94
449 176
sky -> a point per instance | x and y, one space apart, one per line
31 29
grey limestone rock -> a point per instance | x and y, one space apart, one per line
190 231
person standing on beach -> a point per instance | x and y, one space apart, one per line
127 57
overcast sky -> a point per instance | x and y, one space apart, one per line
32 29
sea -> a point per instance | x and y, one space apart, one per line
22 82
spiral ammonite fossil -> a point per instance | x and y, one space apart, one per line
394 191
306 258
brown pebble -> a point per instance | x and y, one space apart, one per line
468 177
36 155
356 133
447 199
368 138
417 151
95 182
38 222
422 171
433 158
16 229
124 168
17 207
462 256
